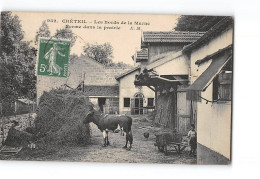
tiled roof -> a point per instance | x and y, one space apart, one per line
105 91
128 72
142 55
171 36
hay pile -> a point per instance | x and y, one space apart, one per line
60 116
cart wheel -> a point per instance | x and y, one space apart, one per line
161 148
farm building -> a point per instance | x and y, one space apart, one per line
97 80
23 106
167 72
169 77
135 100
193 86
210 87
157 43
141 98
105 97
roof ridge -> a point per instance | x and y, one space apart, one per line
127 72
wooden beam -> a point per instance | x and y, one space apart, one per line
151 88
165 79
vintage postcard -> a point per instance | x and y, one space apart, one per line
118 88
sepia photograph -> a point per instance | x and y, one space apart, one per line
116 88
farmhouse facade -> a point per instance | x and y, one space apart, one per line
135 100
167 71
194 86
211 62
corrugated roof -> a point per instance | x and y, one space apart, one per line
171 36
101 91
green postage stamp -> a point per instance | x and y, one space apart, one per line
53 57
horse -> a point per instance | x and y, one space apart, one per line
106 123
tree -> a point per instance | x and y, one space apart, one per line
43 31
11 34
17 63
196 23
66 33
102 53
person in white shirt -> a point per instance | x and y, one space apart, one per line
192 135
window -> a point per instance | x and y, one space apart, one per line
126 102
222 86
150 102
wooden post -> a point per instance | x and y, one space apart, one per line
156 97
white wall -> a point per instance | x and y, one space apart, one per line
178 66
213 120
127 89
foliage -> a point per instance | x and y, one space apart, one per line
11 34
66 33
196 23
43 31
102 53
17 63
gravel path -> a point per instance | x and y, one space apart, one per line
143 150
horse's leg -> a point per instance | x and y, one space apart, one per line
107 138
104 137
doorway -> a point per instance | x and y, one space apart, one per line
101 103
138 104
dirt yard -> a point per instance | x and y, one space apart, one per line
143 150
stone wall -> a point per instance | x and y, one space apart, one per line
24 120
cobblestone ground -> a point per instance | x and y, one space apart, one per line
143 150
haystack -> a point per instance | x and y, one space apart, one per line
60 116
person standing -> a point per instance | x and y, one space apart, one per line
192 134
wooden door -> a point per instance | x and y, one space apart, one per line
186 112
132 106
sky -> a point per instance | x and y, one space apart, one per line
124 40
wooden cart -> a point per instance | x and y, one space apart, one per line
169 141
